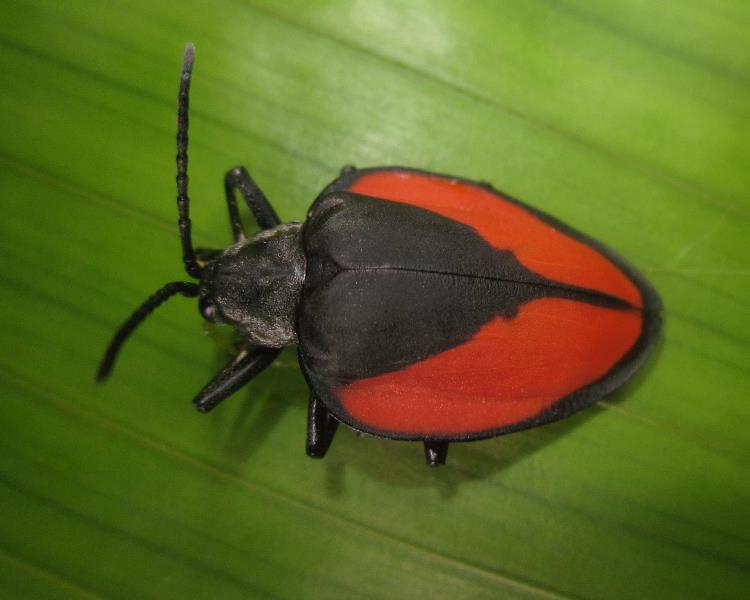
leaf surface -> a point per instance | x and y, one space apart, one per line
628 120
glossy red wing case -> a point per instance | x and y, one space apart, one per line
438 308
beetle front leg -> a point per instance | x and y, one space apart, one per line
321 426
239 179
238 372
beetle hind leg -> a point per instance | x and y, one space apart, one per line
435 453
321 426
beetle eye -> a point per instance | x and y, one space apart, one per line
208 310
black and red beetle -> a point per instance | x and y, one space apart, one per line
425 307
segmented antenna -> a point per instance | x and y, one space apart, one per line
183 201
187 289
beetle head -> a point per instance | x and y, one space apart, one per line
254 286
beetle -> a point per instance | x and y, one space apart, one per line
424 307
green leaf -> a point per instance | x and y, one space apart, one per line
628 119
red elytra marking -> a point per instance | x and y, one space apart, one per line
510 371
507 226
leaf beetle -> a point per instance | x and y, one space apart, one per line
424 307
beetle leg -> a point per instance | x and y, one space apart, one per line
238 372
435 452
321 426
266 217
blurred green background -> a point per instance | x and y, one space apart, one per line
628 119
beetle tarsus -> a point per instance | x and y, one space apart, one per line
435 453
321 427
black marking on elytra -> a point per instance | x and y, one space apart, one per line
389 284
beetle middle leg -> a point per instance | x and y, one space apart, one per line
321 426
239 371
238 179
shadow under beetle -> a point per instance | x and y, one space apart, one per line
425 307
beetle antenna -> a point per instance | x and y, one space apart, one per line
183 201
187 289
